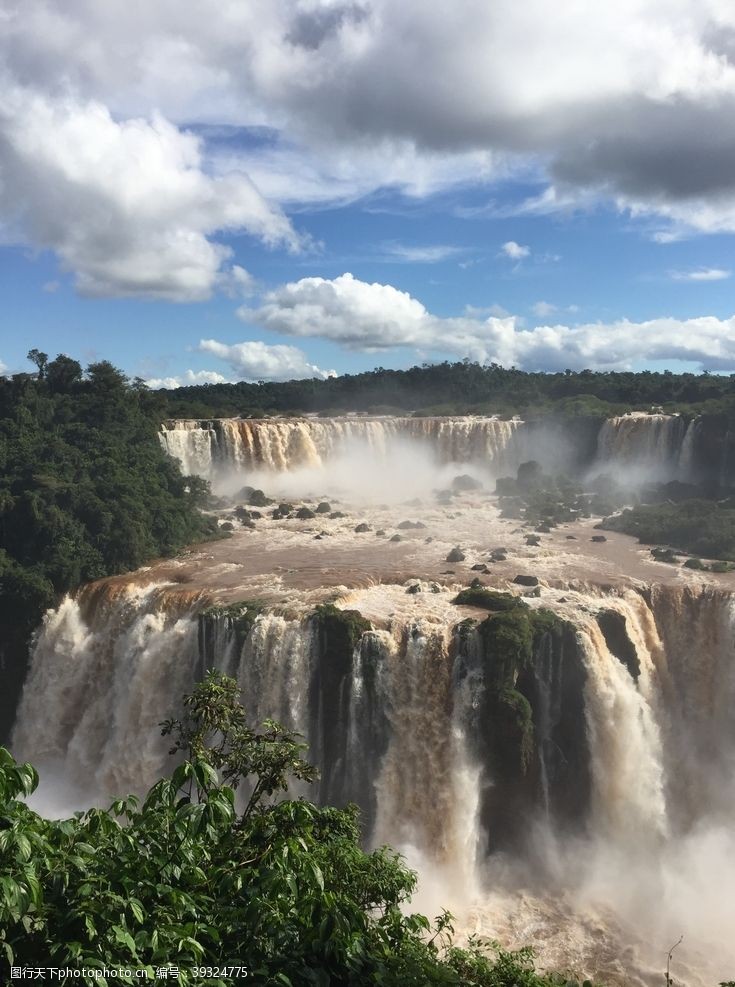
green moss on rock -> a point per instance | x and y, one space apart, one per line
488 599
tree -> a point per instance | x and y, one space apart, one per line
41 361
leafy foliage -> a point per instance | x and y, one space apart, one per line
186 878
85 488
704 528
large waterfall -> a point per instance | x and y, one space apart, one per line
616 733
635 446
223 446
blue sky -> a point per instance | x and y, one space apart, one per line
196 219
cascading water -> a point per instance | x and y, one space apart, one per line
220 447
631 738
649 447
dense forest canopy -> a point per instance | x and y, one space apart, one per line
85 489
454 388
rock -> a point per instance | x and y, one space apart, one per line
227 526
405 525
476 584
499 554
380 533
479 567
247 523
317 537
258 499
305 514
336 514
534 592
456 555
244 493
571 537
419 525
241 513
694 564
533 540
522 580
428 541
285 509
396 538
362 528
544 528
466 482
324 508
414 588
598 538
255 515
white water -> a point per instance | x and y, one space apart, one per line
659 849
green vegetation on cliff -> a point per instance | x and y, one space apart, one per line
187 879
85 489
703 528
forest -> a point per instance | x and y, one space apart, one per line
460 388
85 492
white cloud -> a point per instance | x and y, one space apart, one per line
702 274
188 379
630 102
370 317
514 250
420 255
258 361
126 205
543 309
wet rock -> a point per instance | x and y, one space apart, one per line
244 493
317 537
598 538
361 528
255 515
335 515
227 526
479 567
380 533
324 508
428 541
258 499
571 537
523 580
285 509
305 514
241 513
419 525
533 540
406 525
396 538
456 555
499 554
413 588
466 482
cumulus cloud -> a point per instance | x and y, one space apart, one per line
188 379
255 360
369 317
126 205
543 309
702 274
631 101
515 251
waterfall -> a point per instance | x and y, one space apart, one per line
648 447
214 448
629 768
